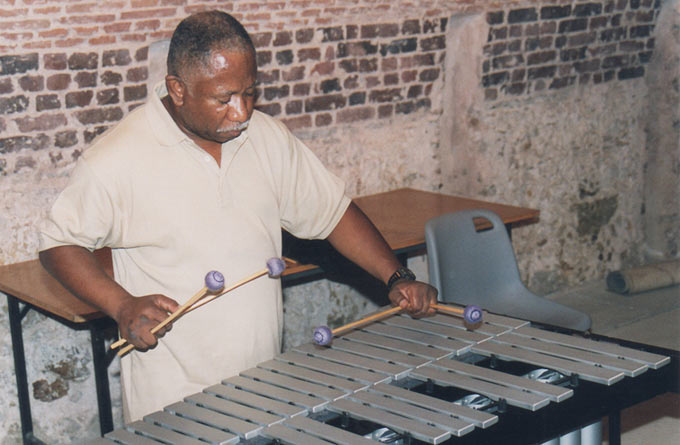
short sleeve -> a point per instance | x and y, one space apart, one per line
314 198
82 214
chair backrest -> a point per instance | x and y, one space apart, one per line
466 264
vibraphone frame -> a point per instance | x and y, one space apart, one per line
590 402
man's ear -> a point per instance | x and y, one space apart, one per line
176 89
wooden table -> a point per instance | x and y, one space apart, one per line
400 215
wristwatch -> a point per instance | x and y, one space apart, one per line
403 273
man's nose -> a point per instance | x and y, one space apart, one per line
238 109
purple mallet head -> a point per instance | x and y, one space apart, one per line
275 266
214 280
323 336
472 314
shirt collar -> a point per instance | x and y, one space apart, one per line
163 125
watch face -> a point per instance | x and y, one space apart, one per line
406 273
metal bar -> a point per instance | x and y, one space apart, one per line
615 427
15 316
101 377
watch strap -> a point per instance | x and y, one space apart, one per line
403 273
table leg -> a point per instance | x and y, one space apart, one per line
615 428
100 364
15 317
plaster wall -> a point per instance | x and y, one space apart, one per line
576 153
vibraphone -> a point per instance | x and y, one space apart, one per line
408 381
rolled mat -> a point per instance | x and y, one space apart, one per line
640 279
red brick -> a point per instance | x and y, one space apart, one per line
13 12
311 13
147 25
16 36
134 93
259 17
391 79
294 107
99 115
429 75
45 44
301 89
43 122
309 54
143 3
116 57
6 85
368 65
409 76
265 77
294 74
389 64
283 38
388 95
304 35
118 27
296 123
325 103
32 83
79 98
160 12
111 78
58 82
68 43
47 102
50 33
323 68
385 111
272 109
85 19
138 74
323 119
372 81
85 30
25 25
142 54
355 114
351 82
261 39
108 97
86 79
379 30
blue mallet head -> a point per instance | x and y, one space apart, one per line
323 336
275 266
214 280
472 314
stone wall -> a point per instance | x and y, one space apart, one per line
557 105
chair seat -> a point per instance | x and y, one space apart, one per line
471 265
520 302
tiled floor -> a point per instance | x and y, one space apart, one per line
651 317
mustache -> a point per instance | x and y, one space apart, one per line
239 127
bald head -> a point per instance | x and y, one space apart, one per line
198 35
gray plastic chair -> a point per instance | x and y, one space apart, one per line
471 267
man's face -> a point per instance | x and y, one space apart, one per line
217 102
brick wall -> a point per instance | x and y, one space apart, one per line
554 46
71 69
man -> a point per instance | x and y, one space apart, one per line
196 180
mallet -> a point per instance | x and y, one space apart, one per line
214 281
323 335
275 267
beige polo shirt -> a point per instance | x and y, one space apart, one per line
171 215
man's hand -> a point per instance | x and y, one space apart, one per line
414 297
138 315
